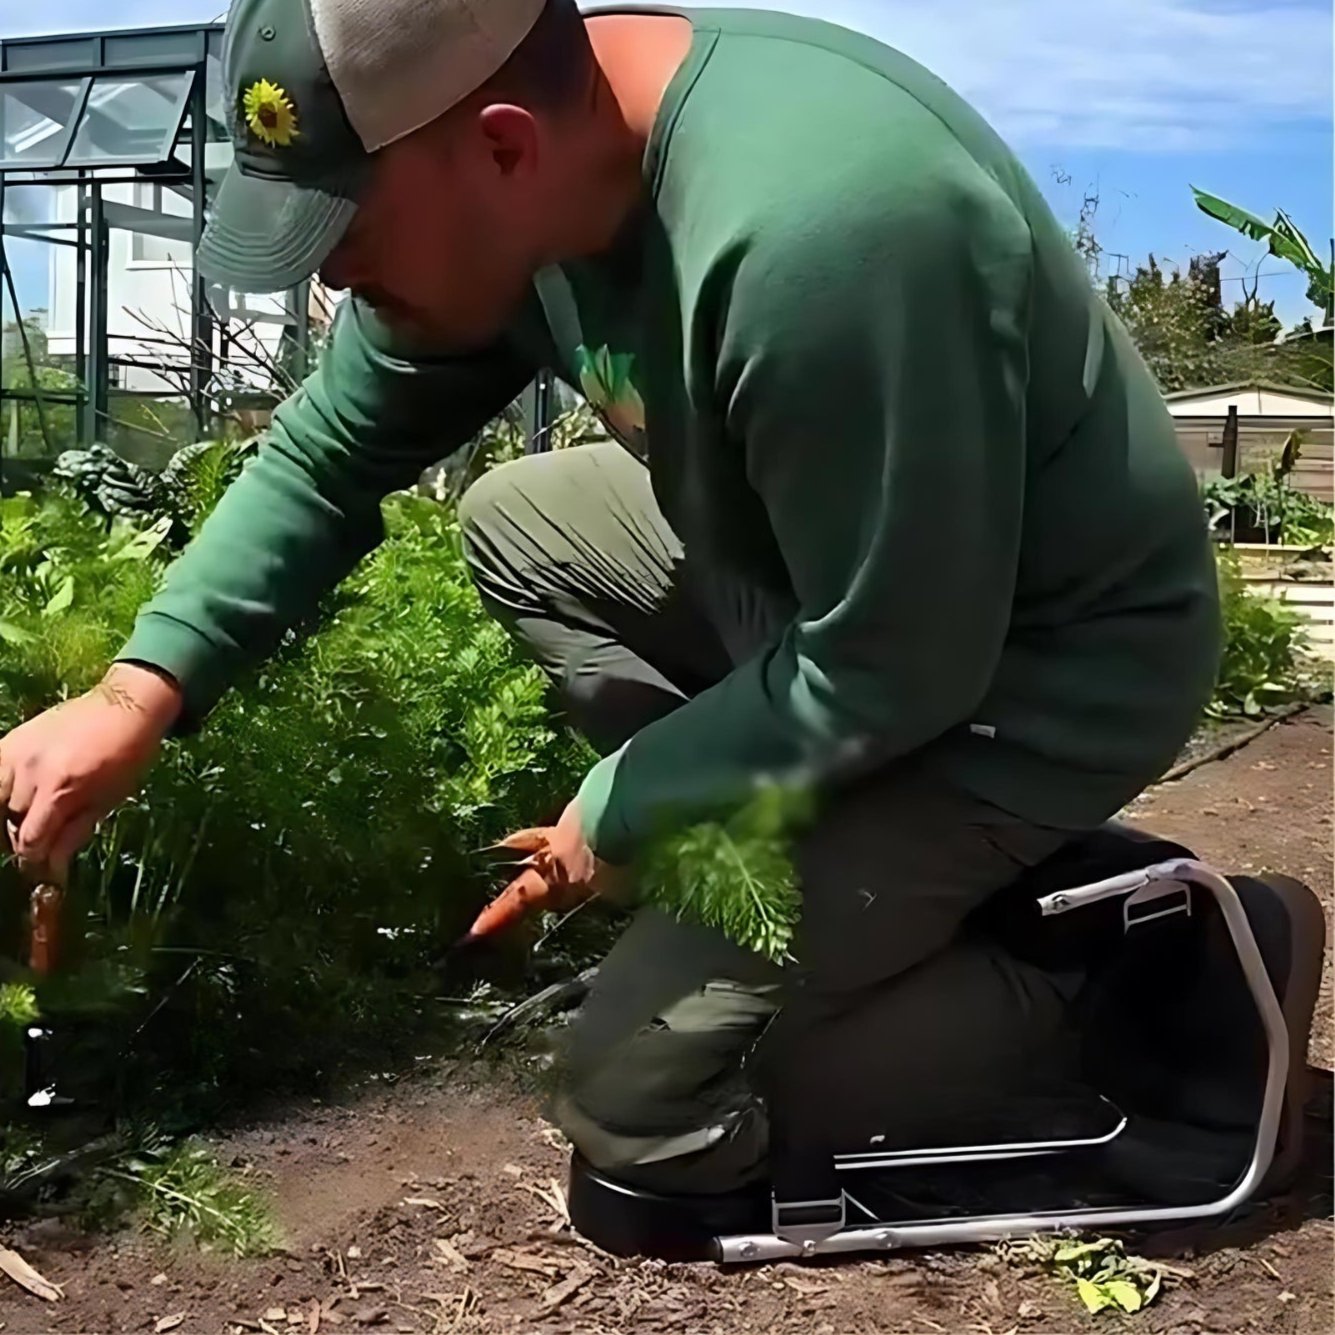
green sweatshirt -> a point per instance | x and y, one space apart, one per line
869 374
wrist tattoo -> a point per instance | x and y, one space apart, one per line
115 694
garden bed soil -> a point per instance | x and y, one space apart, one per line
433 1203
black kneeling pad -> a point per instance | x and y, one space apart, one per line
1169 1024
631 1221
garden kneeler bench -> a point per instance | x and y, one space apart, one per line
1193 1021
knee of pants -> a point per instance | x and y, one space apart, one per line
481 514
681 1071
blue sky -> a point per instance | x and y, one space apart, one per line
1137 99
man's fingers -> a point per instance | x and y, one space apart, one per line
18 800
40 821
74 834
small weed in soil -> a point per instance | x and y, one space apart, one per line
1105 1276
181 1191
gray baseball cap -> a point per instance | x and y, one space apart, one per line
315 87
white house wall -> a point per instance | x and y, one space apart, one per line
1251 402
139 290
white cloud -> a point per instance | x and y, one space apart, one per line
59 16
1151 75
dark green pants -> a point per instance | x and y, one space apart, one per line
893 1023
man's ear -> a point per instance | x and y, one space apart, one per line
511 136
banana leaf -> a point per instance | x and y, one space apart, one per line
1284 238
1254 228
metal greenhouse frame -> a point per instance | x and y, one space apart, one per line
94 113
139 113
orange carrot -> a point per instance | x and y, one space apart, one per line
530 890
44 907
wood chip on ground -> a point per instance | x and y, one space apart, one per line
536 1265
565 1290
450 1254
26 1277
553 1196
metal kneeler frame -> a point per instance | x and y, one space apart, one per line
819 1228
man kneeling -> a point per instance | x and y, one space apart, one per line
889 506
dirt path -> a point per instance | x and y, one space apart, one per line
429 1206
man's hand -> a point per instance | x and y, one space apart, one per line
63 771
560 872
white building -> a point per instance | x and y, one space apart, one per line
1267 416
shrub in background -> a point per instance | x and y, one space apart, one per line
1263 662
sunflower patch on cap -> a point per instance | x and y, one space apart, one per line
270 114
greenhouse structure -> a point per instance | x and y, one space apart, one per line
110 146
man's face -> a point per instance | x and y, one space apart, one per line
442 243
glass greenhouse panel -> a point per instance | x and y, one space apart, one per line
130 120
35 117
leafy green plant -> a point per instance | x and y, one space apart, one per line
1262 664
18 1004
197 475
181 1191
268 905
69 586
1265 502
1104 1275
1285 240
175 501
736 875
1257 501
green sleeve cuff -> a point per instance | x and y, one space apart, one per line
604 830
195 663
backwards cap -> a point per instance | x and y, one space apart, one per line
316 87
